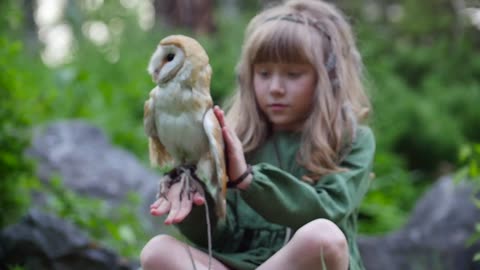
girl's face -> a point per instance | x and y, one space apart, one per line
284 92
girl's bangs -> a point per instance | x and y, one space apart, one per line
280 41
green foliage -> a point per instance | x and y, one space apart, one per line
424 113
15 170
470 158
15 267
225 44
424 91
116 227
392 195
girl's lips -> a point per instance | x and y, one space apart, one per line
277 106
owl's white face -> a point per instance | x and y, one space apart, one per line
165 63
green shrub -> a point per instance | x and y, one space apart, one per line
469 157
118 227
15 169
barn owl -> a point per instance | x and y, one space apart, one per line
179 120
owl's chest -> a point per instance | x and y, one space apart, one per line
180 126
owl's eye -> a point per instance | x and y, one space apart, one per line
170 57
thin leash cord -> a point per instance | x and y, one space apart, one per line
187 247
209 236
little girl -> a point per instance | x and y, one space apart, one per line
299 159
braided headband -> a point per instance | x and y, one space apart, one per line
331 62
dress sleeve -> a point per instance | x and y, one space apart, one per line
284 199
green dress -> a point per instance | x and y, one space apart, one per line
257 218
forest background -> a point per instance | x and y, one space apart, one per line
66 59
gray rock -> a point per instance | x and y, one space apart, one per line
45 242
435 236
87 162
90 165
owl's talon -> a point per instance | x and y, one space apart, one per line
163 187
190 183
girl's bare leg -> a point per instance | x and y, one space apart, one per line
164 252
319 244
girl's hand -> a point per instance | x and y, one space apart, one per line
234 151
177 209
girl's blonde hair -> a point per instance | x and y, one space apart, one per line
313 32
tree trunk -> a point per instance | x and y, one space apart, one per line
30 27
196 15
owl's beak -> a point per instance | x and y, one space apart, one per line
156 76
165 77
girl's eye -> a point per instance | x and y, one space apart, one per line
263 73
294 74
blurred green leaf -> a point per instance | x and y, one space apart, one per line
127 234
476 202
476 148
476 258
465 152
460 175
473 168
15 267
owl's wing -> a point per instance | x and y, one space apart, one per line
157 152
216 145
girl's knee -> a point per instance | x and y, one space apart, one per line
322 236
155 253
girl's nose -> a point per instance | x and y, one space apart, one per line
276 85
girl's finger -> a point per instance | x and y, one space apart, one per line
173 212
156 203
185 207
234 146
220 115
162 208
226 136
233 137
198 199
174 198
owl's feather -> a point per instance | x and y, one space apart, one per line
215 139
157 153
